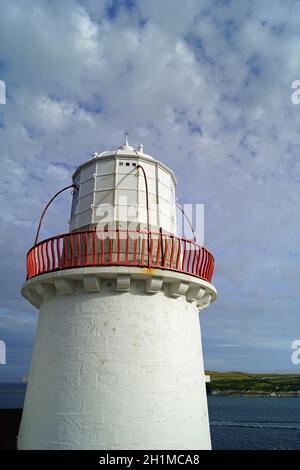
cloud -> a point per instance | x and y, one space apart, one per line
206 87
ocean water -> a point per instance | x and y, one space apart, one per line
238 423
254 423
12 395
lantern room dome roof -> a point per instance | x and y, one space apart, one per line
125 150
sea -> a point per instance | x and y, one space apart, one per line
236 423
254 423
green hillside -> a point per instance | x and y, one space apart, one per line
240 383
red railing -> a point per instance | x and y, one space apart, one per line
120 248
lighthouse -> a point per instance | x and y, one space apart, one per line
117 360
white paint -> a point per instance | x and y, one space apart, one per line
116 370
112 189
174 283
117 361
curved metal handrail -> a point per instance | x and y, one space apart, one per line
46 207
119 247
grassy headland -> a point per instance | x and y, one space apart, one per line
247 384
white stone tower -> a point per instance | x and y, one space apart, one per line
117 361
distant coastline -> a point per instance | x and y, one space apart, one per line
257 385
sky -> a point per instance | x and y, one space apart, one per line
205 85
